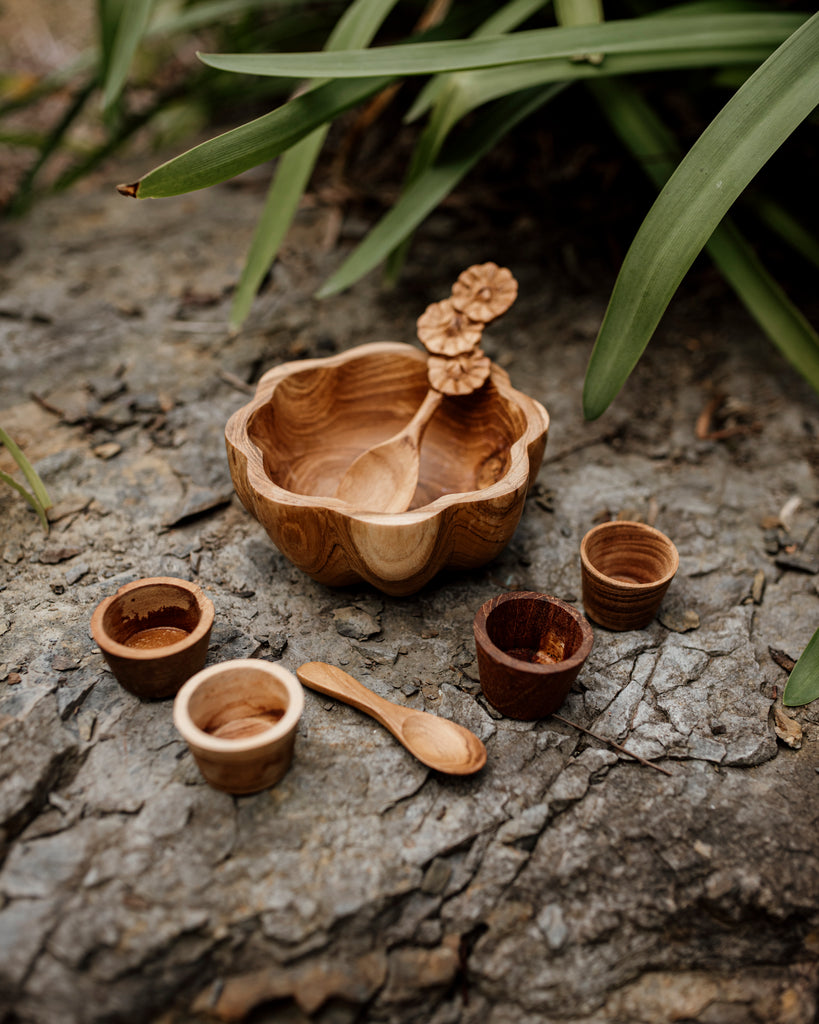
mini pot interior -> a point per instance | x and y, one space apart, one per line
238 703
151 606
534 631
319 420
628 555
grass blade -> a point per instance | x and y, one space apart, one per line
356 28
424 194
737 143
35 504
784 224
655 147
133 20
803 683
505 20
28 471
633 35
449 95
38 499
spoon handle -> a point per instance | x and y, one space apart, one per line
335 682
418 424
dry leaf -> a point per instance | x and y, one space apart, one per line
787 729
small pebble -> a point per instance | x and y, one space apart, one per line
107 450
76 573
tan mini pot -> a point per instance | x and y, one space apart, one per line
154 634
239 720
530 649
626 569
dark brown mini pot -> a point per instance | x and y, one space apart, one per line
530 649
626 569
154 634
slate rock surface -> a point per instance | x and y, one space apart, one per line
565 882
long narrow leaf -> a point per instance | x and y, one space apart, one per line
737 143
28 471
133 20
35 504
424 194
784 224
477 87
356 28
654 145
253 143
451 100
766 301
502 21
633 35
803 683
213 12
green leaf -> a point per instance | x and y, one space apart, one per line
424 194
793 231
39 499
501 22
38 508
737 143
130 28
635 35
251 144
655 147
450 95
803 683
28 471
766 301
212 12
356 28
474 88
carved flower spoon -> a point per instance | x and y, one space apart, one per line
436 742
384 478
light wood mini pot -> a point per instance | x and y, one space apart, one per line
530 649
626 569
154 634
239 720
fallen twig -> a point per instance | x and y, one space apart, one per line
617 746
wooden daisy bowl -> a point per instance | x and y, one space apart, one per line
289 447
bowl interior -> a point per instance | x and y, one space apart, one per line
238 703
155 615
320 419
534 631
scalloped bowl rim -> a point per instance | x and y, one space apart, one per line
516 475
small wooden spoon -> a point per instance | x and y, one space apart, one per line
436 742
384 478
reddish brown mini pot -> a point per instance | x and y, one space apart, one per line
626 570
530 649
154 634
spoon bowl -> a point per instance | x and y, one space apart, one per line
438 743
385 477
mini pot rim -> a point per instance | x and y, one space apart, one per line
491 649
205 742
137 654
628 585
